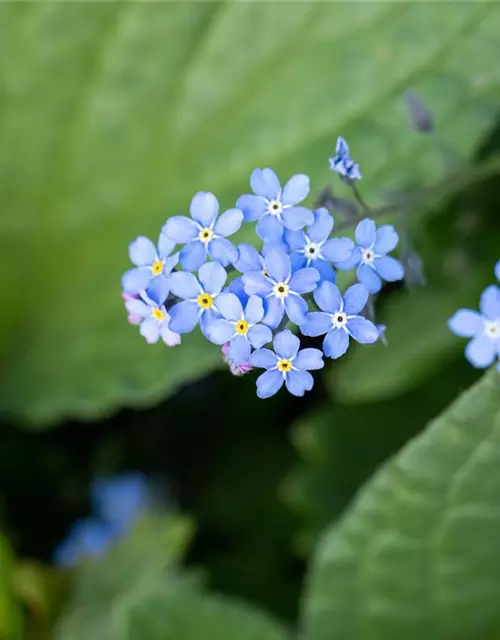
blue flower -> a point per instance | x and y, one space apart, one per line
240 328
151 262
286 365
483 328
281 290
497 270
339 318
342 163
120 500
369 256
199 295
313 249
152 315
87 538
205 233
274 207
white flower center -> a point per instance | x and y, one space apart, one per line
275 207
339 319
312 250
280 290
492 329
368 256
206 235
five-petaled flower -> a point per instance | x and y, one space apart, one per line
342 163
240 328
369 256
274 207
205 233
339 318
154 318
280 288
286 365
151 262
312 248
483 328
199 295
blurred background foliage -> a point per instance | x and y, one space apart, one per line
112 116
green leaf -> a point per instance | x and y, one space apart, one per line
416 556
11 615
112 115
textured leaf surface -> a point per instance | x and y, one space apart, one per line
112 115
417 557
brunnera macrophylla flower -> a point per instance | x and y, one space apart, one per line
286 365
205 233
199 297
370 257
151 262
339 318
313 248
274 207
154 318
280 288
483 328
342 163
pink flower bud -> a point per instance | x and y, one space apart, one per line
235 369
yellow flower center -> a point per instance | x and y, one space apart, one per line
157 267
158 314
241 327
264 272
281 290
206 235
205 300
284 365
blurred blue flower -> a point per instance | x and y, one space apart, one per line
240 328
281 289
276 208
204 233
151 263
339 318
369 256
382 328
286 364
342 163
312 248
497 270
483 328
87 538
199 295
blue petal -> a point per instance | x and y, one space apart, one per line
249 259
295 239
253 207
219 331
386 239
223 251
229 222
170 263
367 276
321 227
142 252
158 290
362 330
165 246
150 330
184 285
236 287
296 309
193 255
279 244
208 316
298 261
355 299
259 335
212 277
325 270
298 382
489 303
136 280
278 265
296 218
310 359
336 343
327 297
286 344
254 310
269 383
269 228
230 307
87 538
263 359
351 262
180 229
184 317
204 208
338 250
119 500
497 270
342 148
256 283
168 336
304 280
466 323
365 233
389 268
264 182
316 324
239 350
275 311
138 308
480 352
296 189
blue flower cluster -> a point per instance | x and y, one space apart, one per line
483 327
291 280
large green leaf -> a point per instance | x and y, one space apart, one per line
113 114
417 555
